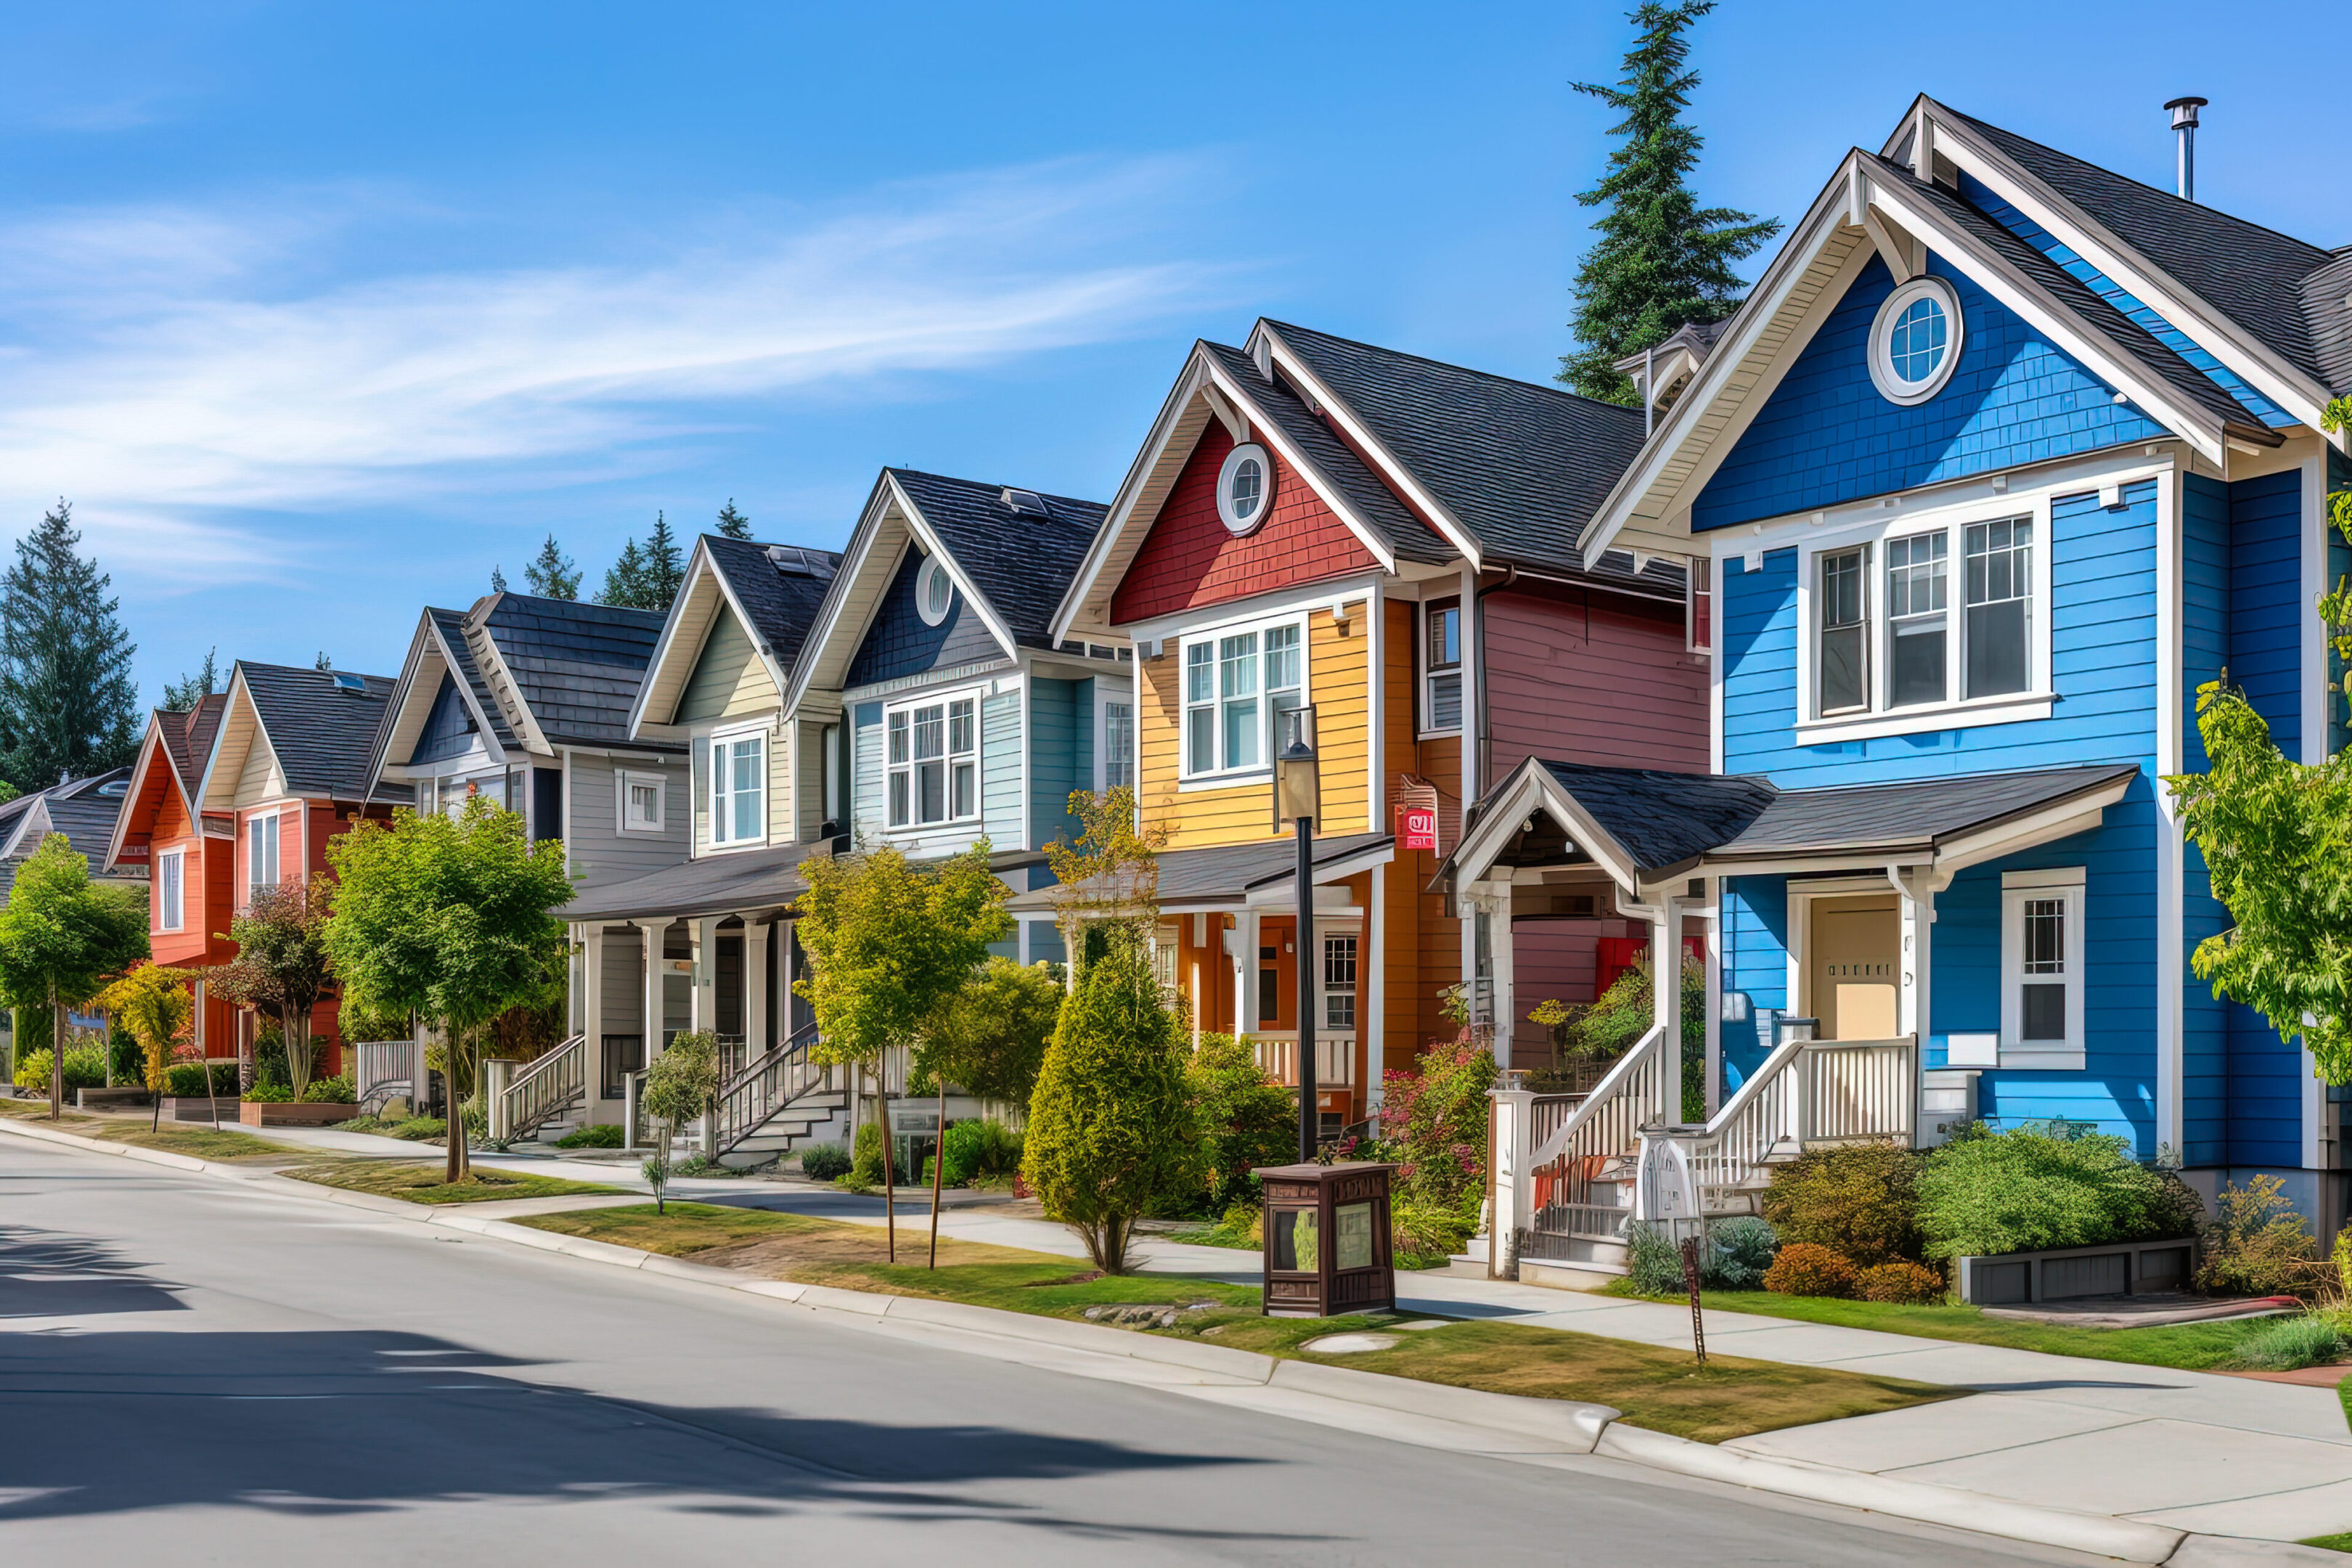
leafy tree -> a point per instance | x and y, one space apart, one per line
1661 261
989 1034
451 919
682 1084
733 523
552 573
1110 873
1433 1120
152 1002
1110 1131
281 965
497 579
67 704
888 942
1243 1119
181 696
63 935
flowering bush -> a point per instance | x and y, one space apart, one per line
1803 1269
1433 1121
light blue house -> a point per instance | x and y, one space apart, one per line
2005 456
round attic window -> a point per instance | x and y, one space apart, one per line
934 590
1244 488
1915 341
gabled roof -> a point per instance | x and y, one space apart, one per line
75 807
774 590
172 754
463 664
2251 274
575 666
319 724
187 739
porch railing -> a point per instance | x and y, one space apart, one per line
387 1071
545 1088
1808 1093
1335 1059
1591 1140
752 1097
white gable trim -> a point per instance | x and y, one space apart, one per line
240 699
485 648
679 645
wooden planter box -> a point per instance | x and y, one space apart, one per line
2120 1269
102 1099
196 1108
292 1114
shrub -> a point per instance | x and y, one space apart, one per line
1902 1283
602 1135
1654 1263
1434 1122
2040 1187
1422 1232
825 1162
2344 1260
2286 1344
980 1150
417 1129
85 1069
1862 1203
336 1091
264 1093
1246 1120
2259 1246
1804 1269
186 1079
1739 1253
865 1167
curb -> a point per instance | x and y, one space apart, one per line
1561 1425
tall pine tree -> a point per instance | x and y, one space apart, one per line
1661 261
733 523
551 574
67 704
665 563
181 696
625 581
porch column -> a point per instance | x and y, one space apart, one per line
756 1036
1244 937
592 1011
1666 990
1713 994
650 933
1914 1014
575 965
1499 947
702 1011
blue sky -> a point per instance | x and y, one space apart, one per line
316 313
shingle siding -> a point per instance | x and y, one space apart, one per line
899 643
449 727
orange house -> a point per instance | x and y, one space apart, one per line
188 854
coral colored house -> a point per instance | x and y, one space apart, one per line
187 854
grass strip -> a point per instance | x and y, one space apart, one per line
2330 1542
422 1183
1660 1389
2186 1347
195 1140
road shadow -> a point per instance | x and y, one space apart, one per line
338 1423
52 1274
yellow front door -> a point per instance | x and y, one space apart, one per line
1852 966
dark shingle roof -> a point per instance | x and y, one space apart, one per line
2127 336
2251 274
1663 818
576 667
1021 563
1523 467
2327 306
716 884
75 808
452 626
780 587
188 737
320 732
1337 463
1224 870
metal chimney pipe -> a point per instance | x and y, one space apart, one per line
2184 120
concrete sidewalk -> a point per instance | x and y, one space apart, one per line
2194 1451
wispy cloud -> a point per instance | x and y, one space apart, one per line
167 366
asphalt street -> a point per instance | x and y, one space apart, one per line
193 1369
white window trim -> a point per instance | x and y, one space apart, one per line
726 737
1242 527
1221 778
1105 696
1953 713
2016 888
1423 729
1910 394
978 695
932 567
625 779
176 920
278 841
1693 566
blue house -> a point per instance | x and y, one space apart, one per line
2005 456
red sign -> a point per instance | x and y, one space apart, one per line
1416 827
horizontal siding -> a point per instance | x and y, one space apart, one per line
2207 596
728 679
599 856
1053 721
866 790
1754 947
1584 681
1000 783
2268 604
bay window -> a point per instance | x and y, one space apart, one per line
739 788
934 764
1235 682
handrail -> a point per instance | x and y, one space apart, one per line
1612 1083
546 1086
1808 1091
751 1099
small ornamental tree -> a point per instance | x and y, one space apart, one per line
281 966
152 1002
450 919
682 1084
62 936
1110 1135
1110 873
888 941
988 1035
1242 1120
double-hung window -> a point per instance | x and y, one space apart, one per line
1339 982
1907 645
169 868
1118 746
2001 605
2041 945
1442 661
643 801
739 788
260 853
934 763
1915 619
1235 682
1844 651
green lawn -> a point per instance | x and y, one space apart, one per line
2332 1542
2189 1347
422 1183
1659 1389
196 1139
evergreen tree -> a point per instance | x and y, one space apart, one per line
551 574
322 661
733 523
1661 261
497 579
181 696
67 704
625 581
665 563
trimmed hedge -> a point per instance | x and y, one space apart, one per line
1902 1283
1805 1268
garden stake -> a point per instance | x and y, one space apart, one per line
1690 1278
